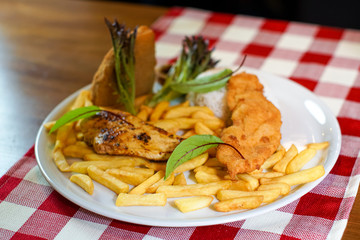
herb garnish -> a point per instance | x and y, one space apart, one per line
194 59
74 115
191 148
123 41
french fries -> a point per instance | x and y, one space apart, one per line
84 181
301 177
194 189
239 203
269 195
193 203
107 180
140 182
157 199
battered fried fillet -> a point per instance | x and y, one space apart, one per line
120 133
256 126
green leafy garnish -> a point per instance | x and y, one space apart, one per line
194 59
123 41
74 115
204 84
190 148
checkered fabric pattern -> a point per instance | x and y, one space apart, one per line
324 60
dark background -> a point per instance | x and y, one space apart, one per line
336 13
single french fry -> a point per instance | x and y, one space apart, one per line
253 182
281 165
144 112
180 179
144 171
141 188
161 182
81 166
193 163
49 125
124 199
300 177
214 124
300 160
181 112
183 104
240 185
318 146
138 161
80 100
198 189
63 133
239 203
60 160
273 159
259 175
159 110
193 203
269 195
203 115
107 180
128 177
84 181
283 187
77 150
205 177
201 128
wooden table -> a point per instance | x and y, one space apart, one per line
48 50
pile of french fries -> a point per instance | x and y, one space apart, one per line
140 182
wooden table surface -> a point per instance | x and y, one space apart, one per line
48 50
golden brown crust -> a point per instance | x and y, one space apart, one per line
256 126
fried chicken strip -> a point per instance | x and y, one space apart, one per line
119 133
256 126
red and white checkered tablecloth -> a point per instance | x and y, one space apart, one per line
324 60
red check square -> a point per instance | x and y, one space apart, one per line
315 58
208 232
318 205
256 49
354 94
221 18
328 32
344 164
275 25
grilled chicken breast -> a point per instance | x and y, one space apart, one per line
255 131
119 133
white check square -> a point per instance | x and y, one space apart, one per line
274 221
348 49
226 58
186 26
35 176
279 66
81 230
340 76
294 42
239 34
167 50
13 216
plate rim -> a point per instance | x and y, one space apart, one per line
196 222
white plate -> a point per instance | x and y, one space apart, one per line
305 119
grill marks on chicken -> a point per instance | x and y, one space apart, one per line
120 133
256 126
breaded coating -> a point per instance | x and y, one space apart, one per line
256 126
